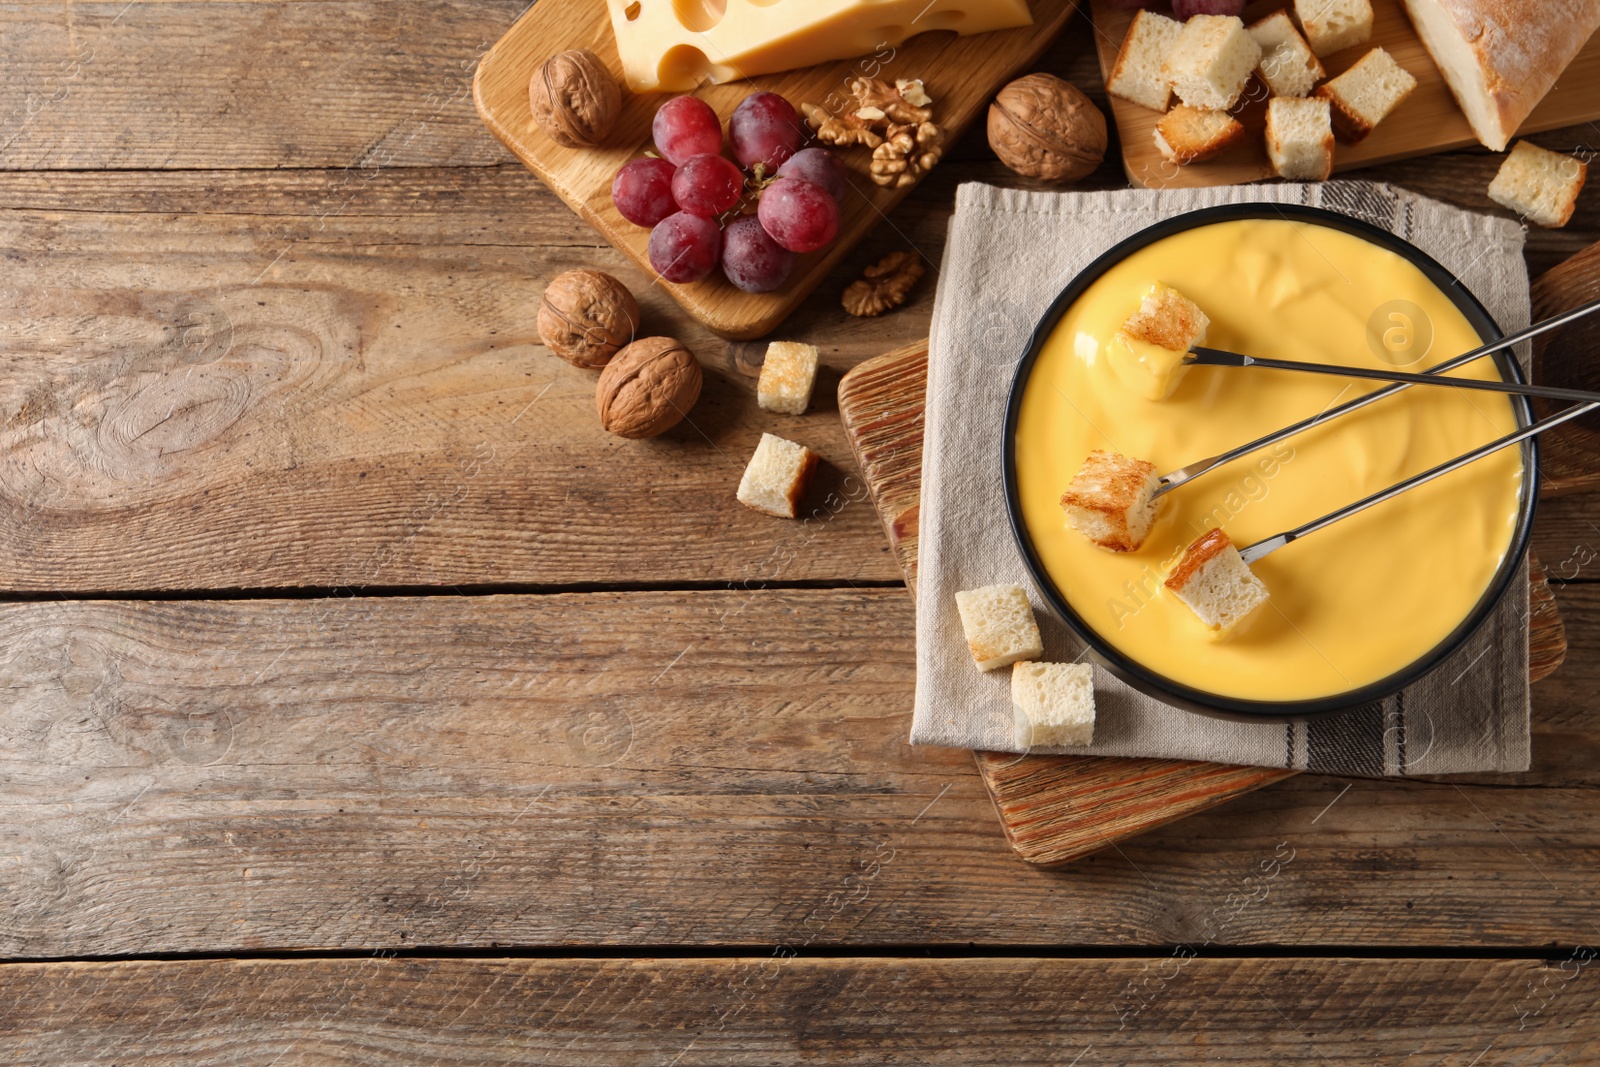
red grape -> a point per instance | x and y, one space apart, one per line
752 260
642 191
684 127
764 129
708 185
820 167
1183 9
798 215
685 247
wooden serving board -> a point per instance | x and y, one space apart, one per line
961 74
1428 121
1055 809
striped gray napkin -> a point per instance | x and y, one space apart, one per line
1009 253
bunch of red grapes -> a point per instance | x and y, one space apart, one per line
684 194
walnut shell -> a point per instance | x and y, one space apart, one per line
575 98
1042 127
586 316
648 388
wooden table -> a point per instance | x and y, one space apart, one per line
366 704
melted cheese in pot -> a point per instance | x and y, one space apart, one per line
1351 604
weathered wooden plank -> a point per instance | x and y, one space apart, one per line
773 1009
674 768
363 84
348 390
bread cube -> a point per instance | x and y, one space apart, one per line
999 624
1300 138
1288 65
1187 134
1211 61
1334 25
1110 500
1168 318
1540 185
1053 704
1364 95
787 377
1137 74
775 480
1215 582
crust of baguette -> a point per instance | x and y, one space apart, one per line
1500 57
1206 548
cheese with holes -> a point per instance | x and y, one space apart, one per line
675 45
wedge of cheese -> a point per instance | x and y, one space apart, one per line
675 45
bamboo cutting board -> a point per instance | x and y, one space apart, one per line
961 74
1055 809
1427 121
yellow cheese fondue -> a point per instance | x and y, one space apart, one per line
1351 604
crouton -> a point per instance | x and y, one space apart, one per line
1288 65
1300 138
1540 185
1110 502
1053 704
787 377
1211 61
1215 582
999 625
775 480
1334 25
1187 134
1365 94
1137 75
1148 352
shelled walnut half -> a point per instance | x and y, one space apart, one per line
895 121
885 285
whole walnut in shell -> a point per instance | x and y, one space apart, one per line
586 316
648 388
575 98
1042 127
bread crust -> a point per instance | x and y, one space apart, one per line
1208 547
1520 46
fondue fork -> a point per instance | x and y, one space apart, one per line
1216 357
1194 470
1277 541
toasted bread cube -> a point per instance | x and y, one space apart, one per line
787 377
999 624
1538 184
1364 95
1300 138
1215 582
1137 74
1053 704
775 480
1288 65
1168 318
1334 25
1211 62
1187 134
1110 502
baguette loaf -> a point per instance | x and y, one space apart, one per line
1500 57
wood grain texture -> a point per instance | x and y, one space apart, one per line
1564 356
1428 121
680 768
1055 809
306 380
961 74
361 84
777 1010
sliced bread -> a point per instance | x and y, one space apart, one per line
1190 134
1540 185
1364 95
775 480
1300 138
999 625
1215 582
1110 502
1334 25
1211 62
787 376
1053 704
1137 74
1288 65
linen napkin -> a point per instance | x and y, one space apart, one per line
1009 253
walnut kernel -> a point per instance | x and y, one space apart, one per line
586 316
1042 127
648 388
885 285
575 98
